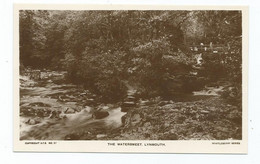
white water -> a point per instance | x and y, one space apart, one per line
209 91
54 128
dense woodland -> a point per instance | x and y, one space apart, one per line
103 50
110 52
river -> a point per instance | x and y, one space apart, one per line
54 111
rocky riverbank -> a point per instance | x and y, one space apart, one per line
51 109
209 119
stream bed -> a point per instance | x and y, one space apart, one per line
51 111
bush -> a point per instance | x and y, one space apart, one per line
100 73
160 70
111 90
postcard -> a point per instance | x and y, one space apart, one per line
130 78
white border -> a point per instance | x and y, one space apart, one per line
102 146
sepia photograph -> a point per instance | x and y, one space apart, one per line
149 75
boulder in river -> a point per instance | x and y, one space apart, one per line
130 98
69 111
87 109
128 104
54 114
100 114
33 121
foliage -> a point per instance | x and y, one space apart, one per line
103 50
223 28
